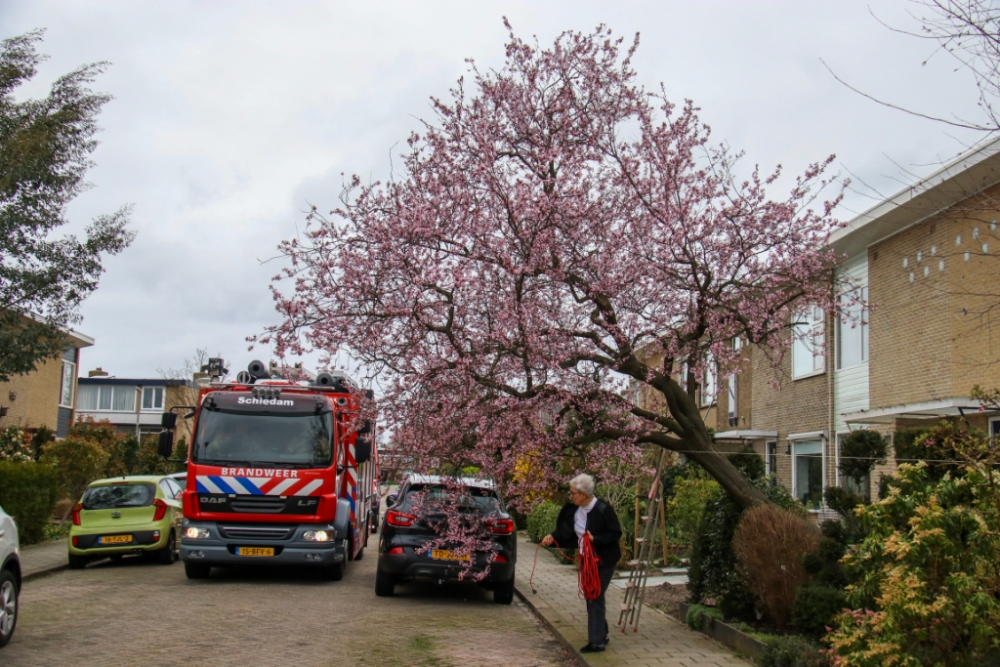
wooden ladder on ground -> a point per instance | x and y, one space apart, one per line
635 587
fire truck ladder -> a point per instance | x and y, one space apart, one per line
635 587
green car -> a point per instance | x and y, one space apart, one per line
140 514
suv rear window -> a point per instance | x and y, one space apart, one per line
472 496
119 495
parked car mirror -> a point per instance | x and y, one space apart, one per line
390 500
165 447
168 420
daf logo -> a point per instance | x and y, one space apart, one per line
116 515
213 500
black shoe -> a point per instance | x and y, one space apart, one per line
592 648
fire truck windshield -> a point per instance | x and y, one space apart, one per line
227 437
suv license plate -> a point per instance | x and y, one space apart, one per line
445 554
254 551
114 539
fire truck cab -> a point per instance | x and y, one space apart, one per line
279 472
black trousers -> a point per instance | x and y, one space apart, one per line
597 621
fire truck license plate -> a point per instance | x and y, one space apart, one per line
255 551
114 539
445 554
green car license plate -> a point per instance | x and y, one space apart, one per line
114 539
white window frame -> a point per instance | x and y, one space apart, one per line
67 384
808 338
771 458
855 329
795 443
710 381
733 415
155 407
113 389
994 428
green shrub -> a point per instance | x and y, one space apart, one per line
924 581
15 445
791 651
860 452
77 462
542 520
712 571
816 605
148 460
28 491
685 508
935 447
697 612
43 436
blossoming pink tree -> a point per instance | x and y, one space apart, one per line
558 236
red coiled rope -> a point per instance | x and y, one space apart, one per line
588 578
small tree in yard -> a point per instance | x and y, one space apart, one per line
558 230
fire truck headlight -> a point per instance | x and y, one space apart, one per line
193 533
317 536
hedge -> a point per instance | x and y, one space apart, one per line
29 492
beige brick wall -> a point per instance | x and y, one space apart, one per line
939 335
32 400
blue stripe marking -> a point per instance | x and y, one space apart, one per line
219 482
201 487
250 486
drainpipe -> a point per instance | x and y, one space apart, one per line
138 407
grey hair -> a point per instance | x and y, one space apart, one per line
583 483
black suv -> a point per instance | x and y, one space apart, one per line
418 518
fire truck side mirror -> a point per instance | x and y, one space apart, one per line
366 427
362 450
168 420
165 447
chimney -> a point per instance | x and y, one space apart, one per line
97 373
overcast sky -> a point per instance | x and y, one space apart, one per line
230 118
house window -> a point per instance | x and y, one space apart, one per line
807 343
733 415
68 381
152 398
771 459
807 473
95 398
995 429
708 386
852 335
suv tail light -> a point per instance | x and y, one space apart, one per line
394 518
501 526
76 513
161 509
395 551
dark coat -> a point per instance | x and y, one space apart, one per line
602 522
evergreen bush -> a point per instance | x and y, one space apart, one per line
791 651
28 491
542 520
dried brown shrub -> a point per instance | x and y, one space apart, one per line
770 544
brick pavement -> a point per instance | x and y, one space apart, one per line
660 641
141 613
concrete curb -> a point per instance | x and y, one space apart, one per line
44 572
574 651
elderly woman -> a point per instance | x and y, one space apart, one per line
588 515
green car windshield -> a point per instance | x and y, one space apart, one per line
119 495
292 439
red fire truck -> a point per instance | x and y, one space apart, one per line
279 471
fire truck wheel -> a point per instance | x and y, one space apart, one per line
168 554
503 591
385 584
197 570
334 572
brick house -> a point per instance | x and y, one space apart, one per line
928 262
135 405
45 397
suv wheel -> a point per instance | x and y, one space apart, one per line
8 606
385 584
503 591
197 570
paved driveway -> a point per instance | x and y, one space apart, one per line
139 613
